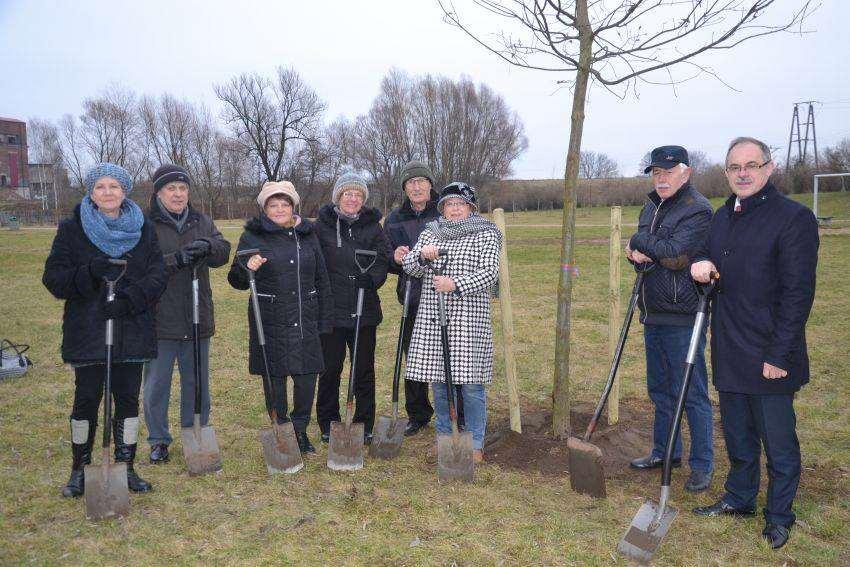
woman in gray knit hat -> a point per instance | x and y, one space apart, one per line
343 226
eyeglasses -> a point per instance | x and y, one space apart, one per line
421 181
455 203
353 195
746 168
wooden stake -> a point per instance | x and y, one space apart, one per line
614 309
508 324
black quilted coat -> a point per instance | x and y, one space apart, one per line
364 233
294 295
67 276
670 232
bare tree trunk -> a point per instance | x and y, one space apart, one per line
561 385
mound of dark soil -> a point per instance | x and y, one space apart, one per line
537 450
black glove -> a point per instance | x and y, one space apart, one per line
182 259
119 307
99 267
364 281
197 250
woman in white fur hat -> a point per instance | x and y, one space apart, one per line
294 297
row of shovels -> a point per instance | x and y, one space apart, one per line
107 496
106 491
587 476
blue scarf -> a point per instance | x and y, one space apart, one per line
114 237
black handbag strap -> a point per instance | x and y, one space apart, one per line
20 349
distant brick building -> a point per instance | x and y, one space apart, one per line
14 171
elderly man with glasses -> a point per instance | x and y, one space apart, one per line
765 247
671 229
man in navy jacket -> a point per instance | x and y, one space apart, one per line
671 229
764 246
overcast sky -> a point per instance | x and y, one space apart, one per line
54 54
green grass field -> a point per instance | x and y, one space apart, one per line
395 512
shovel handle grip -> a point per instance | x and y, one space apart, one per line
359 253
440 268
247 252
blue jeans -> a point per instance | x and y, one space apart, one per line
666 350
157 387
750 422
474 410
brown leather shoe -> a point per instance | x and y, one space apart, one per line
478 456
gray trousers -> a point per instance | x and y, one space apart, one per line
157 387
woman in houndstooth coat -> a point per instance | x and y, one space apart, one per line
471 269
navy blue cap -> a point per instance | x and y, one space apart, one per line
667 157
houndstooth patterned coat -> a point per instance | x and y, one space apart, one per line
474 266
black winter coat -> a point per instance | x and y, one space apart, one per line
174 310
364 233
671 232
67 276
402 228
294 296
767 257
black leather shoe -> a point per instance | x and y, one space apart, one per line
159 454
326 438
304 444
721 508
414 427
650 462
367 438
776 535
698 481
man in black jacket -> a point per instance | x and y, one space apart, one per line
671 229
765 248
403 227
187 238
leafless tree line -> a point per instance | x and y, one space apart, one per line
275 128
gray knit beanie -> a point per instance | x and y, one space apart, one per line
348 180
415 169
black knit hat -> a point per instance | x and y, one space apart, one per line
168 173
415 169
460 190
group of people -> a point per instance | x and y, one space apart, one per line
763 245
764 248
307 283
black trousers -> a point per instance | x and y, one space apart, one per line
303 390
334 347
416 402
125 382
750 422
